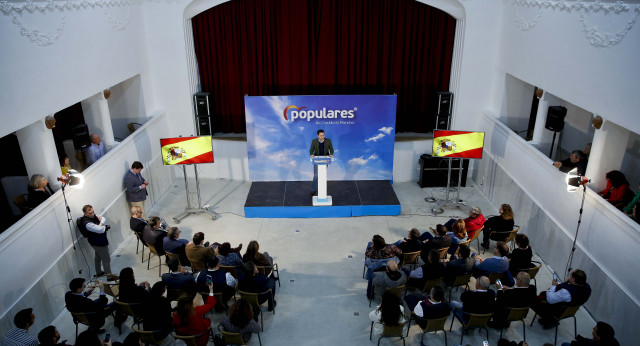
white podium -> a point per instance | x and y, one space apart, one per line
322 199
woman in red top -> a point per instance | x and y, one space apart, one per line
617 191
190 321
474 222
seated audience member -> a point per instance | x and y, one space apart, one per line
458 266
227 257
77 301
458 235
19 336
198 251
390 278
431 306
629 208
576 159
49 336
90 338
520 257
157 311
172 243
130 292
254 255
136 222
131 340
39 190
222 281
378 253
190 321
390 312
520 296
241 320
439 241
502 224
602 334
499 263
474 222
617 191
505 342
65 166
179 278
250 280
431 269
411 244
480 301
152 234
575 291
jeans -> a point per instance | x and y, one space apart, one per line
457 310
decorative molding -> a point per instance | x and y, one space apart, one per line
15 8
37 37
593 35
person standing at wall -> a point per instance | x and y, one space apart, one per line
136 187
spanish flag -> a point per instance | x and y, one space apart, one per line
462 144
186 150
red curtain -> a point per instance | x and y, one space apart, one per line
324 47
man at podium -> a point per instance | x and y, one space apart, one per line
320 146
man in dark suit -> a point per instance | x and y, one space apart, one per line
77 301
480 301
429 307
520 296
250 280
439 241
320 146
152 235
135 186
179 278
459 266
172 243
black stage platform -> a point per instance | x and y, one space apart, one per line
291 199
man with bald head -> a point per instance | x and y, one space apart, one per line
95 150
480 301
520 296
391 278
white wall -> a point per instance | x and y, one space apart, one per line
37 250
516 104
90 55
126 105
631 161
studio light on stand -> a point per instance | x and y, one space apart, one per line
574 182
72 178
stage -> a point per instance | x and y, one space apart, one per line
292 199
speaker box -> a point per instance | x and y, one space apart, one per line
555 118
81 137
201 103
204 126
443 103
435 170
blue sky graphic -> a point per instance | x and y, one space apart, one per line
279 149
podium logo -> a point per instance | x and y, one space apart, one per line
292 113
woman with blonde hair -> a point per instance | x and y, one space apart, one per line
458 235
502 224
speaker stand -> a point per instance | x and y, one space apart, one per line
553 143
439 209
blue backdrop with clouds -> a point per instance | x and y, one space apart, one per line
361 129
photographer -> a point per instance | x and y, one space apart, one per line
97 231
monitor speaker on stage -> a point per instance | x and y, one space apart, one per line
204 126
201 103
555 118
443 103
81 137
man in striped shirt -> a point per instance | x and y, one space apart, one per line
20 336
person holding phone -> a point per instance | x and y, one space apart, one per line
575 291
190 321
521 295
